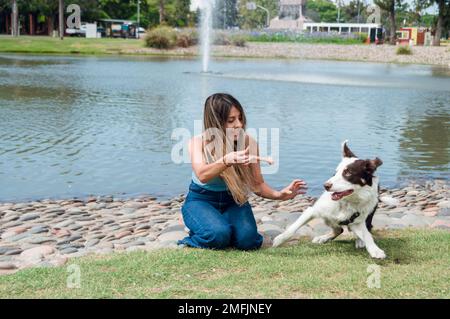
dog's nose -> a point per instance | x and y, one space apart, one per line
327 186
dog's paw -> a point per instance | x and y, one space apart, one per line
321 239
359 243
377 253
278 240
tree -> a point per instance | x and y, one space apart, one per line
251 19
162 11
226 13
355 11
321 10
444 12
389 7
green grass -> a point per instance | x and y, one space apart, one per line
417 267
404 50
70 45
280 38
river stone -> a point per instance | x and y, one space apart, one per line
92 242
444 212
68 250
442 224
444 204
6 249
28 216
172 236
38 229
7 265
36 253
177 227
13 252
19 237
41 240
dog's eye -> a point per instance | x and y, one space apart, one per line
347 173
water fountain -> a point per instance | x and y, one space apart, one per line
206 8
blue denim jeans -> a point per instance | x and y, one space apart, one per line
215 221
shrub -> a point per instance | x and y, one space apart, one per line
221 38
362 37
187 38
239 40
161 37
405 50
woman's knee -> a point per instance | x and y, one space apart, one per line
218 237
249 241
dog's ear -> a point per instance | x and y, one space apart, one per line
346 151
372 165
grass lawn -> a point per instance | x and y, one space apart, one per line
70 45
418 266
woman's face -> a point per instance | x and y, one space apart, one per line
234 122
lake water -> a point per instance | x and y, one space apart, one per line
74 126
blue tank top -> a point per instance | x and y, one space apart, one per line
216 184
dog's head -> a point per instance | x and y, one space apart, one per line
351 175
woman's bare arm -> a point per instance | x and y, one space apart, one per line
204 171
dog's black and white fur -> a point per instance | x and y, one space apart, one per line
351 199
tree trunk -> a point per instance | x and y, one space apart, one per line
61 19
393 33
30 16
7 23
440 23
15 19
162 12
50 25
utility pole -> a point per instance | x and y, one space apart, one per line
61 19
15 19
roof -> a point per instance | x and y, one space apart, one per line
117 20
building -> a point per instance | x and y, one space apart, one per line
414 36
290 15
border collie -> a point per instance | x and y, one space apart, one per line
351 199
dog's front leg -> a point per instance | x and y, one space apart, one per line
307 215
361 231
327 237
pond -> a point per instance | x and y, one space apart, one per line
74 126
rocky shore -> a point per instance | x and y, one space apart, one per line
369 53
47 233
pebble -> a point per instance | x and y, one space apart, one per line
7 266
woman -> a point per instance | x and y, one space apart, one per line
226 169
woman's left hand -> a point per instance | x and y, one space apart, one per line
296 187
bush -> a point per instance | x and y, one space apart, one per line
161 37
221 38
362 37
187 38
239 40
405 50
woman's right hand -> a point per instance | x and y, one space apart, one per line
239 157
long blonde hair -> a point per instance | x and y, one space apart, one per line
239 178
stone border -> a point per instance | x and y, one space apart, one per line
47 233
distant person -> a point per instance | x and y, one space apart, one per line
216 209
